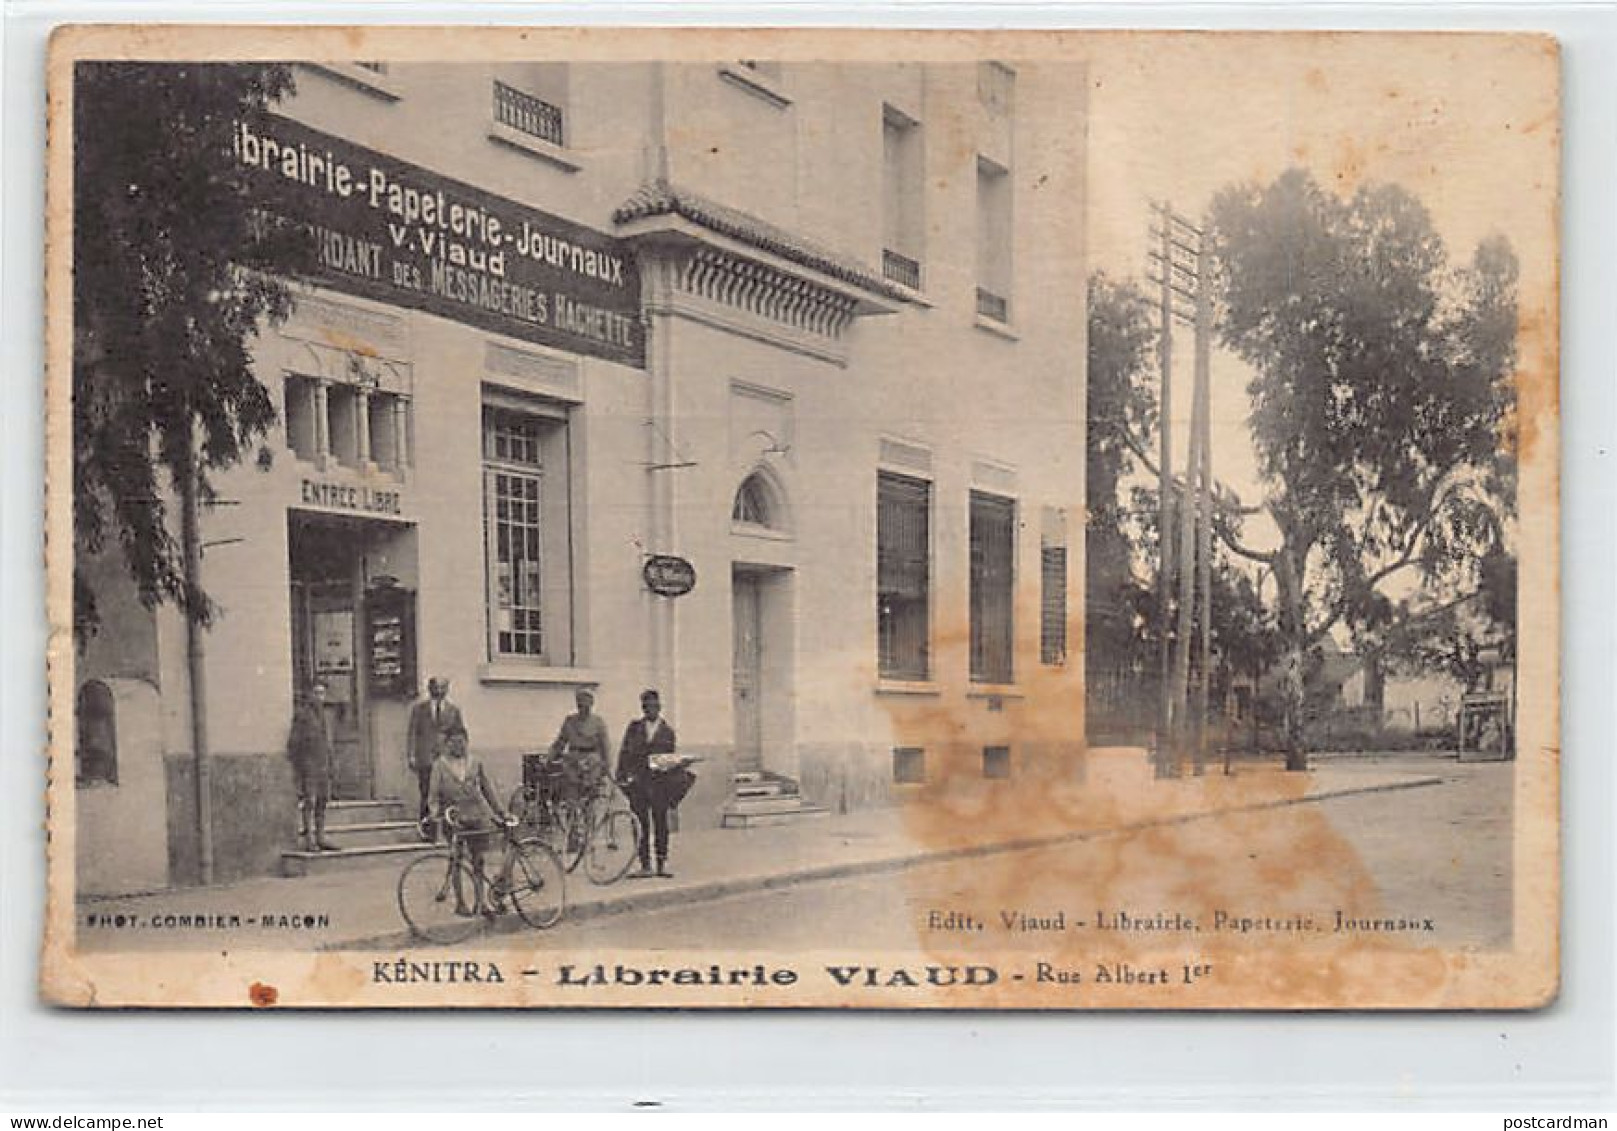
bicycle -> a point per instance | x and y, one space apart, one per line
443 900
589 828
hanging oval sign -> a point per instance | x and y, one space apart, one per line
668 576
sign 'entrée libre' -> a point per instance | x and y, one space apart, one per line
397 233
350 497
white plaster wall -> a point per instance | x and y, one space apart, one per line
608 120
927 374
120 831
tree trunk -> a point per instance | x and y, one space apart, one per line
196 661
1293 660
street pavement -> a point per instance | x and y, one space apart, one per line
1442 852
979 839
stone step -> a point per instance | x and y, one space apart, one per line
300 863
767 789
369 812
782 804
733 819
369 833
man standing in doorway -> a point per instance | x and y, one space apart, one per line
647 741
308 745
431 720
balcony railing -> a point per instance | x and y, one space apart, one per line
991 305
532 116
901 269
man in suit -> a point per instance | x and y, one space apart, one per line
431 720
308 745
648 788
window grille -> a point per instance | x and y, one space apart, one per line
903 576
993 580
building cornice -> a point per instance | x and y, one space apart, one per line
661 199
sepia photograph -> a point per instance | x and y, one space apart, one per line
897 520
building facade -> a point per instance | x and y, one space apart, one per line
815 332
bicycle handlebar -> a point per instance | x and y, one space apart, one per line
451 820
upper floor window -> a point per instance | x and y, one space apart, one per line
529 114
344 422
760 77
372 76
531 111
758 505
387 426
304 429
903 215
996 88
994 241
751 506
349 423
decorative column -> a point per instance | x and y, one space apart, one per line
362 426
401 433
322 423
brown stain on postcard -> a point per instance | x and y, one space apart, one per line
1193 890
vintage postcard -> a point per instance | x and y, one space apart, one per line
617 518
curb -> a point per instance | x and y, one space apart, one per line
604 906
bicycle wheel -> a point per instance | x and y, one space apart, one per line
538 888
612 847
438 899
572 834
523 805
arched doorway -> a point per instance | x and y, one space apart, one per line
763 636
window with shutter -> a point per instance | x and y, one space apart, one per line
903 576
993 584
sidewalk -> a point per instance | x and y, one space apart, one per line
357 908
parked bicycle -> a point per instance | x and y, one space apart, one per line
444 899
591 824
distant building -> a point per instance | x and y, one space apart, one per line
817 332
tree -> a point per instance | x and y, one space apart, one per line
174 272
1463 636
1121 406
1381 401
1243 628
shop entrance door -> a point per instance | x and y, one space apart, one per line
326 558
747 685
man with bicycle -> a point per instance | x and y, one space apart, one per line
583 747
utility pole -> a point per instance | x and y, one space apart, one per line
1165 544
1189 573
1182 269
1204 496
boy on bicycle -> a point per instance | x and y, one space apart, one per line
459 783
